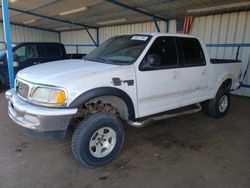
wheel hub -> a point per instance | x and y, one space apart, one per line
101 139
102 142
223 103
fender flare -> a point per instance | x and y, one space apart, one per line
223 79
104 91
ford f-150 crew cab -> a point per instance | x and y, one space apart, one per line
131 78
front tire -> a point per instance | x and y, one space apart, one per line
98 139
218 107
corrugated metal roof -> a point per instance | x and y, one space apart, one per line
103 11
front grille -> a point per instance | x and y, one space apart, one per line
22 89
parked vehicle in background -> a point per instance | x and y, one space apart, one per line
32 53
134 78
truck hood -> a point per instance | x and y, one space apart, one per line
59 71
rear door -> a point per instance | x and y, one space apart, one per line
159 88
194 70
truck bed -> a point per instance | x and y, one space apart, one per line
75 56
219 61
223 67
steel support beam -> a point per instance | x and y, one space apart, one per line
51 18
59 37
135 9
91 37
31 27
156 24
97 37
7 37
167 26
86 27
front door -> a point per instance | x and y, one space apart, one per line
159 87
25 56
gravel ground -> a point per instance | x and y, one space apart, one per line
191 151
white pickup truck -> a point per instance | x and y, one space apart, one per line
131 78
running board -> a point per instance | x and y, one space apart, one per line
139 124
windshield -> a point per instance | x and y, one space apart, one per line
123 49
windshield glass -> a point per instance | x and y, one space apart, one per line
123 49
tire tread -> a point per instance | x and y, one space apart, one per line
84 124
212 105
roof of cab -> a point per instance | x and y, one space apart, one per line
160 34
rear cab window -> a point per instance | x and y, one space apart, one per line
51 50
191 52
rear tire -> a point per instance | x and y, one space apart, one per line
98 139
218 107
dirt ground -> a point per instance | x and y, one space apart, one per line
186 152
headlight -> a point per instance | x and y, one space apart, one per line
49 96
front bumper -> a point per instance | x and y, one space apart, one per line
37 120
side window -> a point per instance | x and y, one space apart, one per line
165 49
26 52
192 52
20 51
51 50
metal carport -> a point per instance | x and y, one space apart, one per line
62 15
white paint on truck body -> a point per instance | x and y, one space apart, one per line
79 76
153 91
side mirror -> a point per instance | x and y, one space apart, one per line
15 64
154 60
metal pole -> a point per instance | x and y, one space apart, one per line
167 26
156 24
237 53
59 37
97 37
7 36
90 36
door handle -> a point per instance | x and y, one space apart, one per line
176 75
35 63
203 72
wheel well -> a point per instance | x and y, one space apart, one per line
109 93
110 104
227 84
113 102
